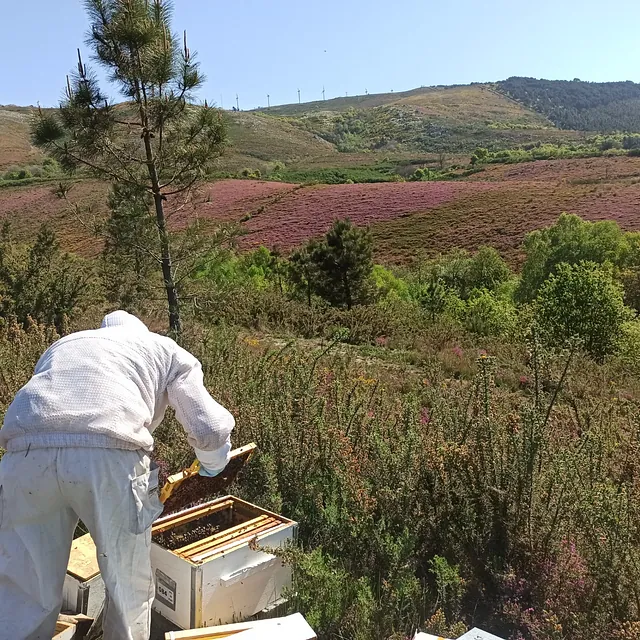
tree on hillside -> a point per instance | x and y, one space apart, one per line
158 143
40 282
571 240
302 271
126 267
487 270
338 268
582 301
345 261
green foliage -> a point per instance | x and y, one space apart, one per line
589 106
335 604
480 155
390 471
127 265
41 283
582 302
488 314
433 297
161 143
462 273
449 585
15 176
388 284
572 240
629 346
225 271
338 268
487 270
347 175
16 173
302 273
609 145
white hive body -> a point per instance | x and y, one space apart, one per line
220 574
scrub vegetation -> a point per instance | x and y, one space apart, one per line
458 441
421 306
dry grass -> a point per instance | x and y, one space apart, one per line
476 102
15 148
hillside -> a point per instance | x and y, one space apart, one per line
437 119
497 206
375 138
573 104
15 148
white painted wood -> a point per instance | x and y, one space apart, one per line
479 634
83 589
228 587
293 627
82 596
173 586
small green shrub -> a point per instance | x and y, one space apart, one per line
487 314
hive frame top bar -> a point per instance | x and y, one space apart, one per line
164 522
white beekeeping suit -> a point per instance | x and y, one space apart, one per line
77 436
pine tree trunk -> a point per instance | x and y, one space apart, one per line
175 323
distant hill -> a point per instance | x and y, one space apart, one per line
358 130
15 147
584 106
427 120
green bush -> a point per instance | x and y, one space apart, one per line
388 284
629 346
572 240
487 270
582 302
17 173
487 314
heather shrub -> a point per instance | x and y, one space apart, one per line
424 499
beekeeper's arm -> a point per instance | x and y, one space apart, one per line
207 423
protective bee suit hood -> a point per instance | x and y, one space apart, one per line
122 319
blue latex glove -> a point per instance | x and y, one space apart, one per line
209 473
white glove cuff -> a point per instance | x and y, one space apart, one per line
214 460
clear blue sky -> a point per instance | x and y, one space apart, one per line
260 47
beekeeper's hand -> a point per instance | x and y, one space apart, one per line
213 463
209 473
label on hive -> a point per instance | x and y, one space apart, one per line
165 590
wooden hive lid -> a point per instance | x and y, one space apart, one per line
83 561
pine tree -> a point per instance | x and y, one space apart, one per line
127 267
337 268
157 143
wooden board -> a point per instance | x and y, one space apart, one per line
293 627
83 560
210 541
165 523
64 631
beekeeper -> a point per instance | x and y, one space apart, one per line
78 437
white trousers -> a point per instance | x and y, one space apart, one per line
43 492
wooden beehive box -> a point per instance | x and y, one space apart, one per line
83 591
65 631
207 572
